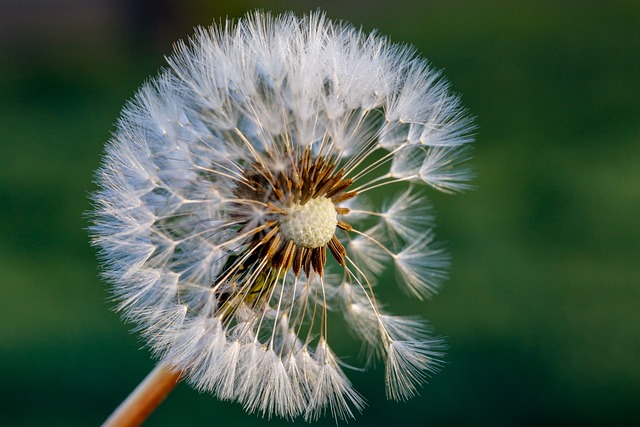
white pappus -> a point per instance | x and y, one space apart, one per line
231 213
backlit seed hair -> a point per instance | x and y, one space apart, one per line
233 211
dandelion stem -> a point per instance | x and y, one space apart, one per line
145 398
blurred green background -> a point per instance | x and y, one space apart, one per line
542 310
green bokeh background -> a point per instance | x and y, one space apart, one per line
542 310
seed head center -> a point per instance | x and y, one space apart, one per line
310 225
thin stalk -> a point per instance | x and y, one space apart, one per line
145 398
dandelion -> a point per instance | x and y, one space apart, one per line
232 212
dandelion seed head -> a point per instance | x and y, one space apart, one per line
232 211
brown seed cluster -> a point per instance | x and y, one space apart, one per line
301 180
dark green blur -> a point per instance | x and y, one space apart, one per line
542 310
